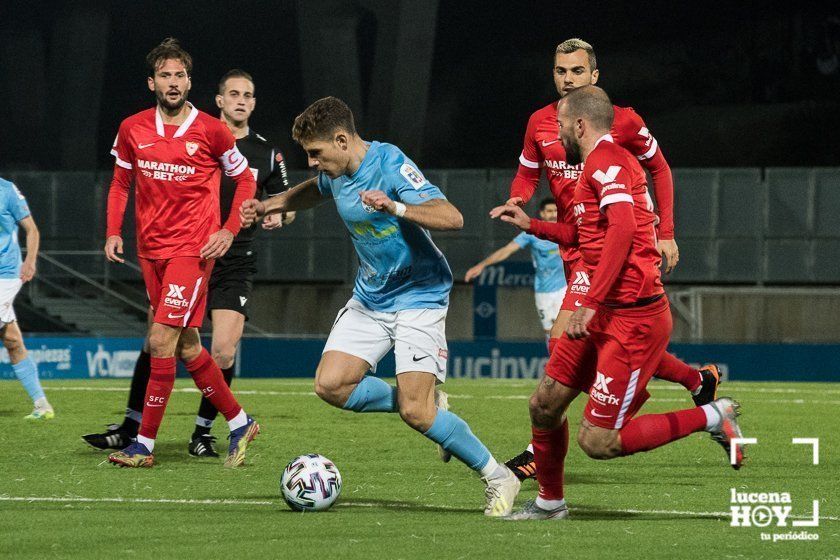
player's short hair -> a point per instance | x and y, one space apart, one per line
574 44
546 201
168 49
592 103
235 73
320 120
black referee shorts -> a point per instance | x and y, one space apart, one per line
231 283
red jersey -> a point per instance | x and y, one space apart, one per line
176 170
611 175
543 149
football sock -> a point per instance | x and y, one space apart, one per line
137 393
148 442
712 416
550 448
672 369
161 381
550 504
654 430
202 426
372 395
208 378
206 411
453 434
27 373
241 419
493 470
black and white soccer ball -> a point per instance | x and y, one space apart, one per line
310 483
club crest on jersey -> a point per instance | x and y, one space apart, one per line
645 133
412 175
192 147
607 177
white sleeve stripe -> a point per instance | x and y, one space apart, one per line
238 169
272 161
123 164
527 162
650 153
613 198
114 151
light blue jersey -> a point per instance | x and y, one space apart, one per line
399 265
550 276
13 209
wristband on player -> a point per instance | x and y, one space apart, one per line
399 209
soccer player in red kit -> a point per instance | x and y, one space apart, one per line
174 153
615 339
575 66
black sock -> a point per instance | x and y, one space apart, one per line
137 393
206 409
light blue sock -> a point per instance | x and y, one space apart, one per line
453 434
27 372
372 395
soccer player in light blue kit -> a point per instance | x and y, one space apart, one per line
401 293
550 278
14 213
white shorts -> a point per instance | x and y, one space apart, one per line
548 306
418 337
9 288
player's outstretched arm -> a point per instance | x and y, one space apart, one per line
437 214
33 242
302 196
496 256
559 232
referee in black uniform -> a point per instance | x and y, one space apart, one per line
233 274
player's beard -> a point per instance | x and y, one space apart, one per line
171 106
572 151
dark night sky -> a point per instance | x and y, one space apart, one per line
719 83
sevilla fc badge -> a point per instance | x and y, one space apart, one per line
191 147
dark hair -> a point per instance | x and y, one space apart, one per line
169 49
321 119
235 73
592 103
546 201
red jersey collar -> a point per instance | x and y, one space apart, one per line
181 129
605 138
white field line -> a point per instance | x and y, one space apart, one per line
76 499
455 396
741 387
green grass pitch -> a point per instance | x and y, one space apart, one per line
59 498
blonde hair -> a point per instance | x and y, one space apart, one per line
571 45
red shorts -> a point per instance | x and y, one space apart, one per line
615 362
577 280
177 289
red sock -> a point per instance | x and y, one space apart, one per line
208 377
161 381
654 430
550 447
672 369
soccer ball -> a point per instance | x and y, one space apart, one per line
310 483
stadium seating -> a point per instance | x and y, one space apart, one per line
735 225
